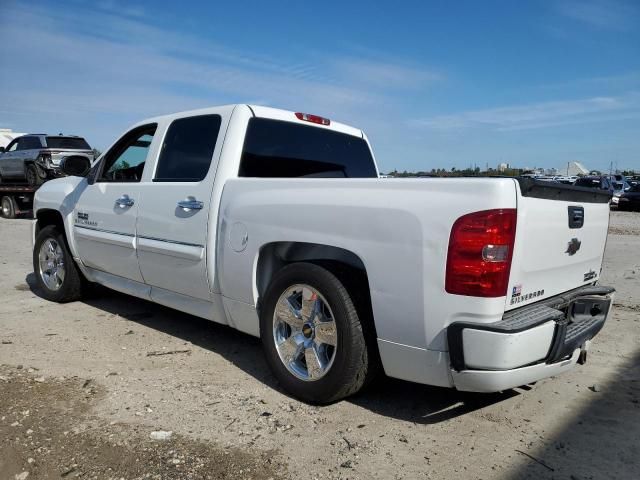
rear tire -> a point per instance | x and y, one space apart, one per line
31 173
331 376
56 272
8 207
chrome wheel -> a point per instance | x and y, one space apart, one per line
51 259
304 332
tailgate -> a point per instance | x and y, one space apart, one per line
560 239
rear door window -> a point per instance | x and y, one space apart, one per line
188 149
29 143
274 148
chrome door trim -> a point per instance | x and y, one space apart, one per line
187 251
93 234
86 227
170 241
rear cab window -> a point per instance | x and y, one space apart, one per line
277 149
71 143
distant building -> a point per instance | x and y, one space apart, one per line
503 167
6 135
572 169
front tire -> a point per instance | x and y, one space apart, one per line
56 272
312 336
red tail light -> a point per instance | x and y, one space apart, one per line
307 117
480 251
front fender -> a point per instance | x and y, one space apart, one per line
61 195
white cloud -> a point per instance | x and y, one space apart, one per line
538 115
386 75
120 8
113 64
601 14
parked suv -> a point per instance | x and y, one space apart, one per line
36 157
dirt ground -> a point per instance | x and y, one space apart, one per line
84 385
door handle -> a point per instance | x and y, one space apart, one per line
124 201
191 204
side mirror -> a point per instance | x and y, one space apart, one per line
2 150
75 166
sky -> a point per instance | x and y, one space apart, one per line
434 84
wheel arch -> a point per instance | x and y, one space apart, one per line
48 216
346 265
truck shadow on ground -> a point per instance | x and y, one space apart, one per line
389 397
598 440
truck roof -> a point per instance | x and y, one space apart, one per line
261 112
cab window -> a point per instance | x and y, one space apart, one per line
188 149
126 160
29 143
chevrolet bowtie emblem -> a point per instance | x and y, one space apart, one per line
573 246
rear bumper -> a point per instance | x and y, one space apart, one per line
496 381
529 343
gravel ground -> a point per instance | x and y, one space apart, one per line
625 223
84 386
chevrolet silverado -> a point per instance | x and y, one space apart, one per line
276 224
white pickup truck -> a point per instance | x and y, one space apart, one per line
276 224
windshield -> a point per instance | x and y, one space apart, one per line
73 143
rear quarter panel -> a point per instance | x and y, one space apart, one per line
399 228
